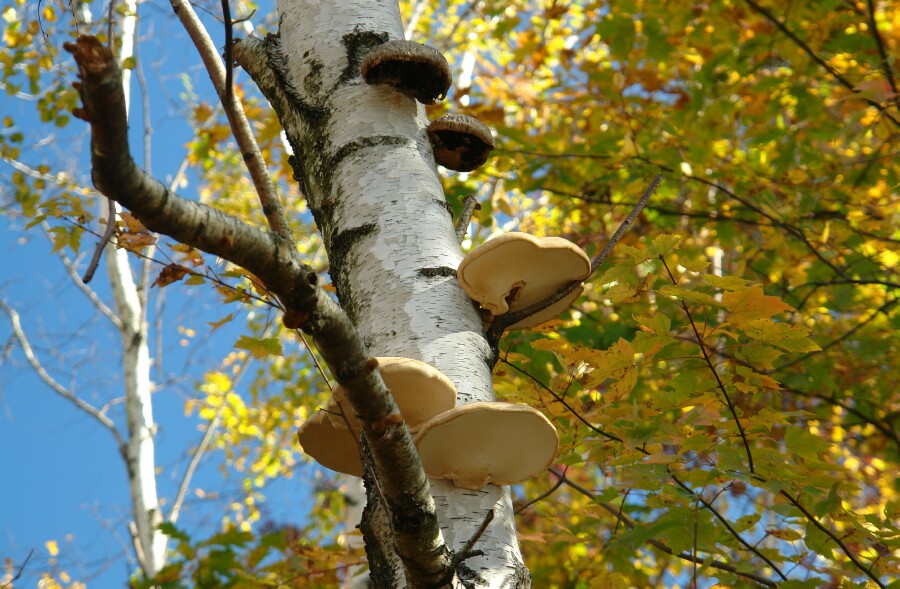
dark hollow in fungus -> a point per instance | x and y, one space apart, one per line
460 142
414 69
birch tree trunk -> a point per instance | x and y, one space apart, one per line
130 305
365 164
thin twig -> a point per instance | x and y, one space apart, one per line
812 54
843 337
624 225
720 385
675 478
834 537
470 205
201 450
541 497
51 382
110 28
18 572
237 119
466 551
793 230
882 52
564 403
72 271
229 60
104 239
315 360
630 524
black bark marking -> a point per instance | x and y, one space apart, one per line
358 43
353 146
278 63
442 271
339 250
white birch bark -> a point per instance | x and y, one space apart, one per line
371 181
150 543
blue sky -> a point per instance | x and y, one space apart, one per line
62 476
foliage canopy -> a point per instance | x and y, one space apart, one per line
725 389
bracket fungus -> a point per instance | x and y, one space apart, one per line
331 446
420 390
514 270
417 70
481 443
460 142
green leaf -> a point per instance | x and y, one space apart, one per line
260 348
802 442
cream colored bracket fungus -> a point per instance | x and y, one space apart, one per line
417 70
460 142
420 390
514 270
481 443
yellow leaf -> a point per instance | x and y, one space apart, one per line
786 534
52 547
749 304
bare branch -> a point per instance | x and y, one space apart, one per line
276 263
51 382
470 205
72 271
192 467
104 239
198 454
237 119
18 572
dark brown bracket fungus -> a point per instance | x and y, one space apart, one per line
414 69
482 443
421 391
460 142
514 270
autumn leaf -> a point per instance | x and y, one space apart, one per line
260 348
169 274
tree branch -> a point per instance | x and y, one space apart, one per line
630 524
69 265
470 205
678 481
882 52
812 54
52 383
237 119
276 263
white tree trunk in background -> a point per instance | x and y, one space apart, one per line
379 203
150 543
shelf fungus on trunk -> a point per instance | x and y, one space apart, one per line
417 70
460 142
421 391
515 270
488 442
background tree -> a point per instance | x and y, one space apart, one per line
722 388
